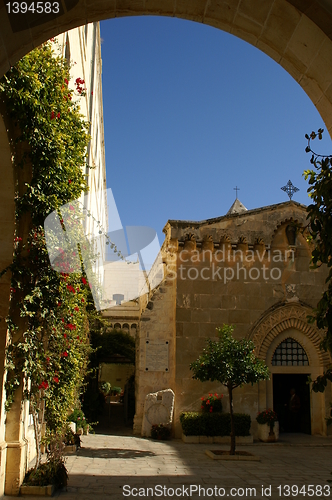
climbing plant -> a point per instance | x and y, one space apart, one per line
320 234
47 322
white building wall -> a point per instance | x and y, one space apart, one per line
82 49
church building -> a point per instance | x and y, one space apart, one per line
249 269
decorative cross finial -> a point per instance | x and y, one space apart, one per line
290 189
236 189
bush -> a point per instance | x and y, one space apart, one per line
160 431
105 388
267 417
47 473
71 438
214 424
79 419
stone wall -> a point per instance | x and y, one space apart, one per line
157 324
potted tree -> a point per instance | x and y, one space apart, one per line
232 363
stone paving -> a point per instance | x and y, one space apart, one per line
112 466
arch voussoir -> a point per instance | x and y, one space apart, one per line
283 318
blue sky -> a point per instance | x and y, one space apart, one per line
190 112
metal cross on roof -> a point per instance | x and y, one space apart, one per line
236 189
290 189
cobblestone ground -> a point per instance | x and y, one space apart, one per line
121 467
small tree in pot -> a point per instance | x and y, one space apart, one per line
232 363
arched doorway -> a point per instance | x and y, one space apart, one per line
291 392
285 328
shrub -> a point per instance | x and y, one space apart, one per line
79 419
160 431
267 417
214 424
105 388
71 438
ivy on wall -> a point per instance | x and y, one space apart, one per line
47 323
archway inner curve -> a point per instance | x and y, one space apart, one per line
295 35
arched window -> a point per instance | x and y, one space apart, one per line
290 353
117 326
125 326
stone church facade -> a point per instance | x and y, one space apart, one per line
249 268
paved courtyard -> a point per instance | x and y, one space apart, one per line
120 467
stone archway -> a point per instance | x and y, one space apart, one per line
279 323
295 33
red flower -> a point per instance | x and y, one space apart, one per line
43 385
66 81
210 409
56 380
70 326
76 308
82 300
58 115
47 359
52 115
71 207
208 402
84 281
65 335
13 290
69 181
65 354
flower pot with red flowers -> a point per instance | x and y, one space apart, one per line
268 426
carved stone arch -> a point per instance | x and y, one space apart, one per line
280 318
289 220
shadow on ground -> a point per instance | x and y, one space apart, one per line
113 453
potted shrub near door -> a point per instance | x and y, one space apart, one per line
268 426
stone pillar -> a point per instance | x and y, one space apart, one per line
16 445
7 220
3 445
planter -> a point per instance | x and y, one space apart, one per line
265 434
38 491
217 439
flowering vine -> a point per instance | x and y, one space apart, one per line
48 323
